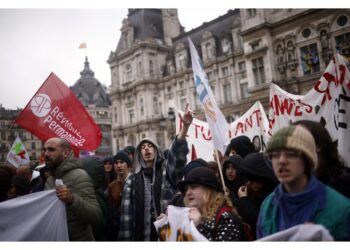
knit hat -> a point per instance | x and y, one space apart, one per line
255 167
123 156
108 159
129 149
201 175
242 145
194 164
297 138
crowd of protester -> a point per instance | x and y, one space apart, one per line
298 180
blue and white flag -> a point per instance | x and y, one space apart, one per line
216 120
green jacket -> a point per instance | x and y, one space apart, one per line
85 210
335 216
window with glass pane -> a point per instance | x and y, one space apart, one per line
251 13
310 61
33 145
141 107
155 105
244 90
258 70
182 103
227 93
115 114
131 116
128 72
224 71
255 46
343 44
241 66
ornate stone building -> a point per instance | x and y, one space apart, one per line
243 52
93 95
9 132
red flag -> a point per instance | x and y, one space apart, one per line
193 153
82 46
55 111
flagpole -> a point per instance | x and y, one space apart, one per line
336 62
220 171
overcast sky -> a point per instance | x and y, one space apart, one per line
36 42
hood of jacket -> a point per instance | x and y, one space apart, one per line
139 162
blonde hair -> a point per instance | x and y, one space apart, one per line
214 200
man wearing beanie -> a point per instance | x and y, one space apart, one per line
300 198
148 191
121 166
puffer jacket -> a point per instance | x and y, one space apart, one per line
85 210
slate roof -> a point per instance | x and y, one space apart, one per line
89 90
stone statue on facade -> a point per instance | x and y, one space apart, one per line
326 51
170 67
281 65
290 51
183 61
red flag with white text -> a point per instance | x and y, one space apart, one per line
55 111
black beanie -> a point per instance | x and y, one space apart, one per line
108 159
122 155
129 149
242 145
256 168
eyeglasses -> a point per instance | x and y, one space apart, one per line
288 153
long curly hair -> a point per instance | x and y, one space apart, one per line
214 200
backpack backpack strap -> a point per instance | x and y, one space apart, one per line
221 211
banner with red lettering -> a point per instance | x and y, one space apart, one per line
55 111
253 123
327 102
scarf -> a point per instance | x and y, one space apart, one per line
298 208
147 197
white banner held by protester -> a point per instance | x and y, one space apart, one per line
18 154
327 102
253 124
216 120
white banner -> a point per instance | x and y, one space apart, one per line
39 216
253 124
177 226
327 102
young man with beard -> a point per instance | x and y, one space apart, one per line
148 191
300 198
77 191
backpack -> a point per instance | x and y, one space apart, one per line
247 231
